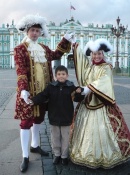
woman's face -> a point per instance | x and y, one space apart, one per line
97 56
33 33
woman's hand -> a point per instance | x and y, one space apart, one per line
86 90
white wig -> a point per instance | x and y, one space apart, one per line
31 20
99 44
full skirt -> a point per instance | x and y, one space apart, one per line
100 137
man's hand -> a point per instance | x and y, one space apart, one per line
70 36
24 95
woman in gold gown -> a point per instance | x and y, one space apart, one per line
100 136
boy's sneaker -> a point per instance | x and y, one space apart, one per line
56 160
64 161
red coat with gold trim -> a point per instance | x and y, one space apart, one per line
23 70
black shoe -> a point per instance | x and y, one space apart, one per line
56 160
39 150
64 161
24 164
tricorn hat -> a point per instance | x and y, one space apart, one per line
99 44
33 20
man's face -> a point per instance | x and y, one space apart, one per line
61 76
33 33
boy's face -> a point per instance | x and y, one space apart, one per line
61 76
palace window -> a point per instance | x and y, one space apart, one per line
15 36
0 47
16 43
5 46
5 37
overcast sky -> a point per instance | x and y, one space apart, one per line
87 11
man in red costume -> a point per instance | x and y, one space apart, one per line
34 72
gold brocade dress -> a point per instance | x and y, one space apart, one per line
100 136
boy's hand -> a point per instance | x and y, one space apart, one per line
30 101
78 90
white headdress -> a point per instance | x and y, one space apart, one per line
32 20
99 44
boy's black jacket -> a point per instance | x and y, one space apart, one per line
60 103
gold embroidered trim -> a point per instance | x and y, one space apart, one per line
36 111
94 107
75 60
101 94
117 130
99 165
64 50
21 77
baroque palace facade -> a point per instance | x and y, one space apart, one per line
10 37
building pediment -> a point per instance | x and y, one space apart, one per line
71 24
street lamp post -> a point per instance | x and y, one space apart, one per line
117 31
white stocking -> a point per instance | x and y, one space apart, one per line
35 135
25 136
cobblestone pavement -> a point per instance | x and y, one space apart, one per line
72 169
122 93
7 84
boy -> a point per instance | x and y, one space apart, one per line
60 112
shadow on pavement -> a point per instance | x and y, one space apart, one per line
72 169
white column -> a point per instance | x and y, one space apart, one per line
52 40
125 61
52 45
114 50
52 64
19 38
126 51
12 47
65 60
63 57
126 45
90 36
81 40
